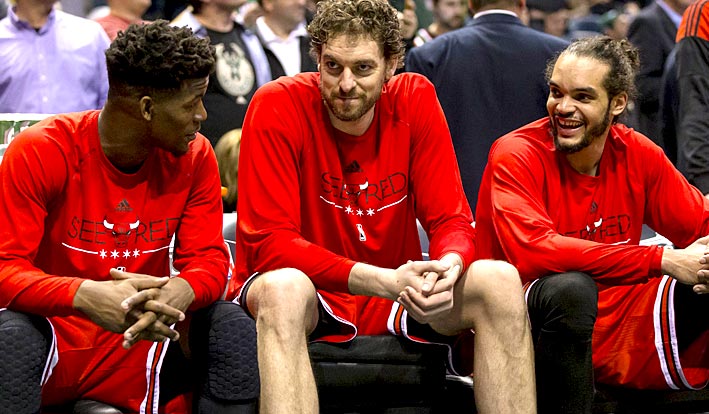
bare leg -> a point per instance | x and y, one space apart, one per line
284 304
490 300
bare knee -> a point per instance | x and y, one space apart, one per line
284 297
496 286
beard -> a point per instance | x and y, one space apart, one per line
353 110
453 23
592 134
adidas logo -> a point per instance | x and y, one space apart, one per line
353 167
124 206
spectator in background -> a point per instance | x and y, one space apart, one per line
584 26
248 13
75 7
653 32
615 23
549 16
227 152
424 12
692 57
406 12
447 15
242 65
487 84
284 37
50 61
121 14
165 9
668 112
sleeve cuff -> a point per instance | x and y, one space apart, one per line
656 263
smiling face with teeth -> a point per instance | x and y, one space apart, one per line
579 107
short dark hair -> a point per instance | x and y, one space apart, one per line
156 57
478 5
621 57
359 18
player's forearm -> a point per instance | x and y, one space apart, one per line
180 293
680 264
207 285
371 280
35 292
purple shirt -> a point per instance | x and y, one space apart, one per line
58 68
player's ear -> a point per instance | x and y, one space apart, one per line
391 66
618 103
146 107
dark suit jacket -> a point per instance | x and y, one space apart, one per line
668 111
307 63
693 96
653 33
489 76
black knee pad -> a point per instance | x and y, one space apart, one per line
566 303
223 343
577 290
24 345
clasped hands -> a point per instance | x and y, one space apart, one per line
702 286
138 306
426 287
690 265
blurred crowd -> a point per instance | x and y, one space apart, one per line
260 40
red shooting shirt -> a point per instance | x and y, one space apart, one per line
319 200
70 215
538 213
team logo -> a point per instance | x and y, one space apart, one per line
234 71
131 236
354 193
355 181
121 223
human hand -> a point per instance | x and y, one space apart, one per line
701 288
155 312
436 297
407 20
102 301
689 265
703 275
435 282
419 275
